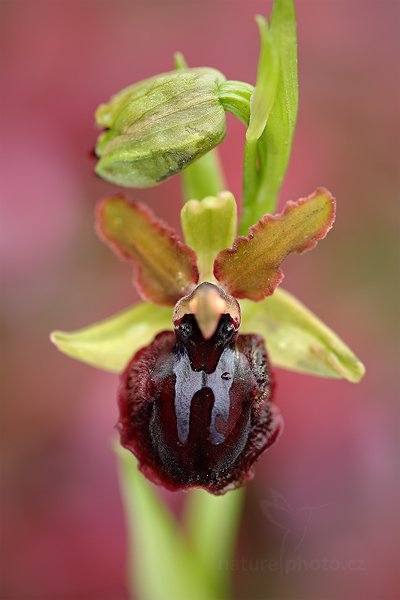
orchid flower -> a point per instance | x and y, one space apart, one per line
197 355
196 392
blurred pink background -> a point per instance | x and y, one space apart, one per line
62 524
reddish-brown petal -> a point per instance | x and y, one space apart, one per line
166 267
251 268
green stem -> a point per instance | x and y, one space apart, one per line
235 98
212 524
160 560
204 177
250 184
191 564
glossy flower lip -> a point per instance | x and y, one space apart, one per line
198 412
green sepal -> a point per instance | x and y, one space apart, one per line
157 127
297 340
209 226
111 343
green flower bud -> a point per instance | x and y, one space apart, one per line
157 127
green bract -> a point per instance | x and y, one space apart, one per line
263 97
158 126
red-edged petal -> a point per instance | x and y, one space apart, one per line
251 268
166 267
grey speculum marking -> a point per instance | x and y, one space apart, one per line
188 382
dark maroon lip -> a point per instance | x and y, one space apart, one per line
198 412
